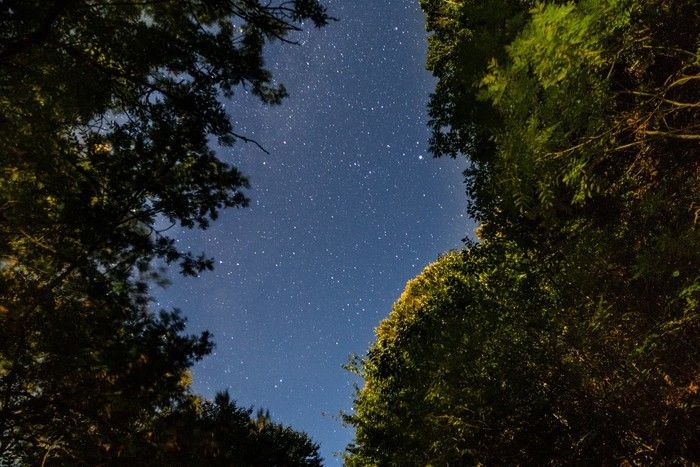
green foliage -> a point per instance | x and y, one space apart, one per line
473 366
466 36
580 122
109 113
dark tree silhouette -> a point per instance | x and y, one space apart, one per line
109 111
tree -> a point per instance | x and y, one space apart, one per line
580 123
465 37
110 111
474 366
596 164
221 433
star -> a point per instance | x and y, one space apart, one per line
331 236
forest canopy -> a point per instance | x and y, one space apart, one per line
109 115
566 331
581 125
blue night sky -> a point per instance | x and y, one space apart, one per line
347 207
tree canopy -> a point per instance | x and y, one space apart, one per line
580 122
110 114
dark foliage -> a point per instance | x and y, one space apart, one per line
109 113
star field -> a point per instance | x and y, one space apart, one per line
347 206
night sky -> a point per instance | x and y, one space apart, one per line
347 207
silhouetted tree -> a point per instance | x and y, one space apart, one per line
109 115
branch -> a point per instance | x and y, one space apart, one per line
666 134
249 140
